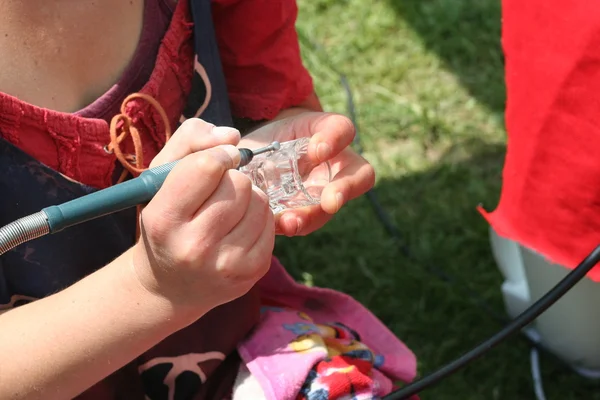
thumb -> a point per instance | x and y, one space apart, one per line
192 136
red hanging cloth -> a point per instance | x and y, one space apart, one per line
550 200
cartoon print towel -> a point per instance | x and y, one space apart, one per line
318 344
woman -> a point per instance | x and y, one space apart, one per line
89 92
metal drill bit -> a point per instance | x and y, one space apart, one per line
272 147
246 155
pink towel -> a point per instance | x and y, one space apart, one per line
311 335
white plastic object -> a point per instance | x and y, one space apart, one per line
571 327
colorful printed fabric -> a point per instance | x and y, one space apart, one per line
339 377
346 371
319 344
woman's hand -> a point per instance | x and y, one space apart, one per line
331 136
208 234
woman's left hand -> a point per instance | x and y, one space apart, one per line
331 136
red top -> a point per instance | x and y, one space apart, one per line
550 199
261 61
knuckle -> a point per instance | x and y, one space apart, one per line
270 219
153 224
193 125
262 262
187 251
158 160
241 182
251 270
209 165
237 264
370 175
262 202
258 217
229 263
346 124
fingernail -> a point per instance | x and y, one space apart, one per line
339 200
323 151
233 152
220 131
298 225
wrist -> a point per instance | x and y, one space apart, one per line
171 314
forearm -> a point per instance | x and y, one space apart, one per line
61 345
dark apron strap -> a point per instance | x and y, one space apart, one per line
206 49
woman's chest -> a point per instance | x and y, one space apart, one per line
64 54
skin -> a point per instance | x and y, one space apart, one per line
200 246
330 137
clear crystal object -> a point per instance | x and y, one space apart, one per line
288 177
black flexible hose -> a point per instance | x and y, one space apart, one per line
395 233
393 230
525 318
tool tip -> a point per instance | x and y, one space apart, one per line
275 146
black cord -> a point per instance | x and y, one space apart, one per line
393 230
395 233
516 325
379 210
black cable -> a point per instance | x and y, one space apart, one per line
393 230
386 220
525 318
381 213
395 233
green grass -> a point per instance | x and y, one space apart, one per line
427 76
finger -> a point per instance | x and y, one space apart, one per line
355 178
301 221
250 228
330 135
261 252
193 180
192 136
253 239
226 207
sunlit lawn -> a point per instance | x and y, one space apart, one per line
427 76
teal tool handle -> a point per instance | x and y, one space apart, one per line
124 195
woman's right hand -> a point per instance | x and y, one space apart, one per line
207 237
208 234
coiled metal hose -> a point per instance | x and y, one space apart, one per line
23 230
